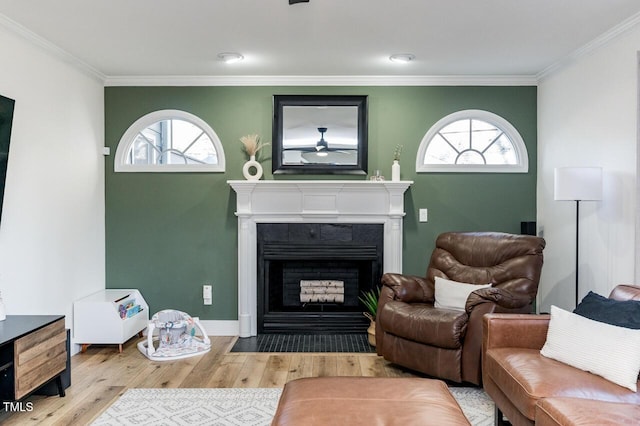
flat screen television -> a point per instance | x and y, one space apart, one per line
6 119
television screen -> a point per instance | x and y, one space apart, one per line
6 119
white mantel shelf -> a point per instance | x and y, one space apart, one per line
286 200
311 201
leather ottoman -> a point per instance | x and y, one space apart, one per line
367 401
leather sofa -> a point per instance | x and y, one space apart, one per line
583 412
531 389
446 343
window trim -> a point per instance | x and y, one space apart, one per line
128 138
520 148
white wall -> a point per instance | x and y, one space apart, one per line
587 116
52 243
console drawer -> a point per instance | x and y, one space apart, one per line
39 356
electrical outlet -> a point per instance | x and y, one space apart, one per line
207 293
424 216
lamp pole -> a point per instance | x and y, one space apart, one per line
577 245
577 184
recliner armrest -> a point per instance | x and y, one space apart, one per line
408 288
514 331
500 296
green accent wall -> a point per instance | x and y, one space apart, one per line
167 234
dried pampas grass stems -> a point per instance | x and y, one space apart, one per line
252 144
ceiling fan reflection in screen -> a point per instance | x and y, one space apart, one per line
324 152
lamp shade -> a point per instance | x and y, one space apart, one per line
578 183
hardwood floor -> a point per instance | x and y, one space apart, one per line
101 375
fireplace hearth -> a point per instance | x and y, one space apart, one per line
295 260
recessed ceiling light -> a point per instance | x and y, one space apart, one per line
230 57
402 58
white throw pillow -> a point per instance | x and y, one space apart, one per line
607 350
452 294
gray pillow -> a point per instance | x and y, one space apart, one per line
624 313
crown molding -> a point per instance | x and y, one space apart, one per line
325 80
51 48
590 47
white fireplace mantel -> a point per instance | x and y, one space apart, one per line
311 201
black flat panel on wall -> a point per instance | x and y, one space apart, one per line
6 120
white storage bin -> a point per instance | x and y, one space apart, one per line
110 316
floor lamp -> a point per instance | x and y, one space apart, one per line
578 184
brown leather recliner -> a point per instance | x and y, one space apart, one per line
446 343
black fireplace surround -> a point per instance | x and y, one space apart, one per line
291 252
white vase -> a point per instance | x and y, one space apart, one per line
246 169
395 170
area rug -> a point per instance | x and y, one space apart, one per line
169 407
237 407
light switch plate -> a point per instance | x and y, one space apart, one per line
207 294
424 217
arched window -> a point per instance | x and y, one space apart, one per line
169 141
472 141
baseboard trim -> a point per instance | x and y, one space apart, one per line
212 327
221 327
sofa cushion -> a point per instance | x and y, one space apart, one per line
423 323
603 349
623 313
452 294
585 412
526 376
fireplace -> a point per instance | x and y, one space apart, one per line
313 202
310 275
